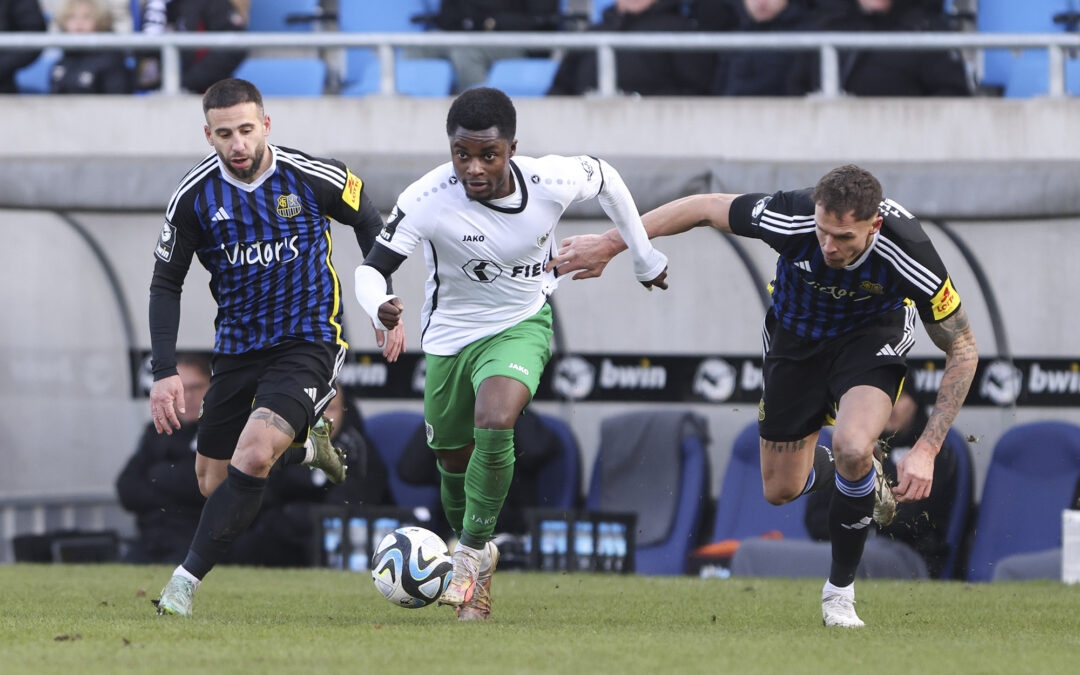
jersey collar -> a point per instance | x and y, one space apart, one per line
254 185
521 186
865 254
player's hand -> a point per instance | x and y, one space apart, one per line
586 254
391 342
166 397
390 312
915 473
659 282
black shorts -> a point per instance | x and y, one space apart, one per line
804 379
294 379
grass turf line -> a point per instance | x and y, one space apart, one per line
92 619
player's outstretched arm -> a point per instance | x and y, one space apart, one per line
589 254
915 471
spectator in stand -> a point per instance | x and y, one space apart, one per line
158 483
756 72
648 73
471 64
90 71
884 72
18 15
199 68
922 526
281 535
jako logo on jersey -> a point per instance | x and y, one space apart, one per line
520 369
392 221
484 271
165 242
262 252
642 376
473 237
288 206
760 206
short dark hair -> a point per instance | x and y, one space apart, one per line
482 108
196 360
849 188
229 92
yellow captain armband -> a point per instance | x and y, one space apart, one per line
351 194
945 301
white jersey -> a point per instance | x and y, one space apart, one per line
486 259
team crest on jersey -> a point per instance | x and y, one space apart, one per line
872 288
760 206
165 243
541 240
387 233
288 206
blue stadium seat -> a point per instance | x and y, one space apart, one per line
374 16
1030 480
1029 75
522 77
559 483
1010 16
36 78
664 480
273 15
284 76
412 77
963 497
389 433
742 511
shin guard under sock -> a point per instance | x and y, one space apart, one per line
228 511
850 521
452 495
487 480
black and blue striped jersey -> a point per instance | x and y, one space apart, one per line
815 301
267 246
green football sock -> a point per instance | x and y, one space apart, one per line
452 492
487 480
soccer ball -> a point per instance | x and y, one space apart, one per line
411 567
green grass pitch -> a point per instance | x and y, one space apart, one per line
77 619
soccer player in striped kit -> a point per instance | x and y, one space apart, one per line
486 222
258 218
853 273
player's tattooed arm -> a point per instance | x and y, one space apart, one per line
954 337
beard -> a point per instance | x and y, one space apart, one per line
245 174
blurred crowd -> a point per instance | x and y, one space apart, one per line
645 73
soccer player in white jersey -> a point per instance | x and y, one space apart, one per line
854 270
486 222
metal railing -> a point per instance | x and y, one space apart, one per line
604 44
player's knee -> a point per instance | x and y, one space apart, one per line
253 459
852 454
778 494
453 461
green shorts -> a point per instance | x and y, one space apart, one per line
519 352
